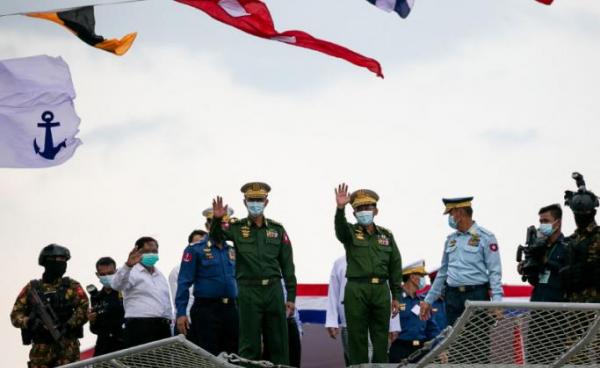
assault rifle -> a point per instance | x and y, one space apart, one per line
41 313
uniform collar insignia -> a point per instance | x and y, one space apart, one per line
251 223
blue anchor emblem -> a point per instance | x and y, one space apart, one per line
49 151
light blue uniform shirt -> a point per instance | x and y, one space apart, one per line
470 258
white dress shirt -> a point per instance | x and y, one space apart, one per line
173 277
334 315
145 294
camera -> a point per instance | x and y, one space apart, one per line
99 306
534 251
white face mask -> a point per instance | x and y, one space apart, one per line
364 217
546 229
255 208
422 283
105 280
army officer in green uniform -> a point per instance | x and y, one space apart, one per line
374 268
263 257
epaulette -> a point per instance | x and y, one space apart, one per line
273 222
383 229
203 240
485 231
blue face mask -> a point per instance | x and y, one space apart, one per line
546 230
364 218
422 283
149 259
452 222
105 280
255 208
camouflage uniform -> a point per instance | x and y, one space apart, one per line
584 249
46 352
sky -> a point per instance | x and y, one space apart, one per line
494 99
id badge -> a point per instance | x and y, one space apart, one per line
544 277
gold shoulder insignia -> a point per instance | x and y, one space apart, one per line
383 229
274 222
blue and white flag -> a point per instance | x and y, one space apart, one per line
402 7
38 123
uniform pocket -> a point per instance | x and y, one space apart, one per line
450 249
471 253
246 246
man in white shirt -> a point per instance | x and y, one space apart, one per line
334 316
146 297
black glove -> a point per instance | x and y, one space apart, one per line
533 279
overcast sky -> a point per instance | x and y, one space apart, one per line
495 99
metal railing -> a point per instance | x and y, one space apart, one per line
498 334
521 334
175 351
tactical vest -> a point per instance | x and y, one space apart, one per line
62 307
579 255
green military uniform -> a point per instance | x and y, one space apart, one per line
70 303
263 256
373 261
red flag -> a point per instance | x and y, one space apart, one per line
252 16
547 2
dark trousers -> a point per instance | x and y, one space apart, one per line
139 331
455 300
295 345
215 325
478 327
401 349
108 343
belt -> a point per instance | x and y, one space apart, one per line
149 319
259 282
368 280
215 300
466 288
412 343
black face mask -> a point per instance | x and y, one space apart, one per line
583 220
54 270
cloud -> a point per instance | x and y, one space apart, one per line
512 138
168 126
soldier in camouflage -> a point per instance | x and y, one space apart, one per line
581 277
63 302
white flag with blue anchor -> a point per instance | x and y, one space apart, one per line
402 7
38 123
